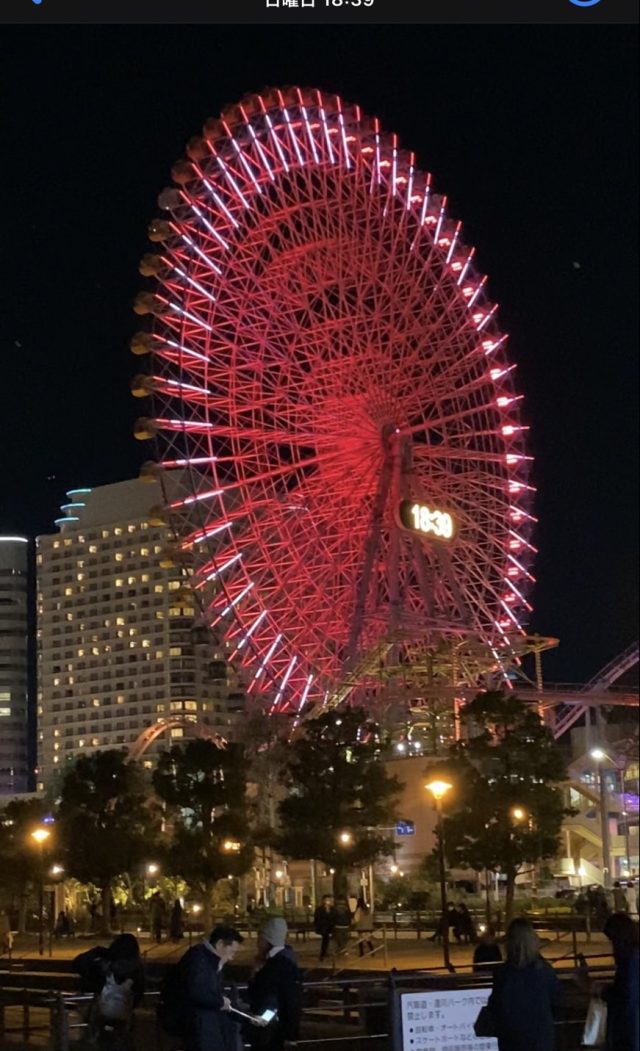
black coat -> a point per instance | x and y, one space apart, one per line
207 1026
522 1003
277 986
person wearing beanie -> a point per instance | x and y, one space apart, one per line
275 986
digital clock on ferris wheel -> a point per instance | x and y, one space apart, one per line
426 520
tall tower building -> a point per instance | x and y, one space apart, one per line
119 648
14 664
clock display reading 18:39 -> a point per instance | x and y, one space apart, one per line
349 3
425 520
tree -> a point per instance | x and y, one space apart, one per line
506 807
20 870
337 784
106 822
204 788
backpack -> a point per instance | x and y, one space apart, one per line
170 1010
115 1002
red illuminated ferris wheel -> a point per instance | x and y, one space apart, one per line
328 373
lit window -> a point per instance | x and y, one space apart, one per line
158 588
159 655
105 534
67 542
56 544
175 651
144 551
56 681
119 582
146 643
131 529
119 620
131 580
5 712
93 549
68 591
117 531
81 743
95 651
145 578
119 557
159 614
133 631
174 585
120 699
157 549
160 707
95 741
177 732
69 616
147 764
96 702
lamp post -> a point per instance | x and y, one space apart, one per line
40 837
599 755
439 790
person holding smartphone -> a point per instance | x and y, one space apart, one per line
275 991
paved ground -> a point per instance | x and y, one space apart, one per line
404 953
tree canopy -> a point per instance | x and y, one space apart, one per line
506 805
204 788
107 824
337 783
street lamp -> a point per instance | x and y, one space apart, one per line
439 789
345 839
152 869
599 755
40 837
518 814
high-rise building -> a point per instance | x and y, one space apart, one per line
119 646
14 665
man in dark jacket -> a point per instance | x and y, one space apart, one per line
275 986
324 922
207 1025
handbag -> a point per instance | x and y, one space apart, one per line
595 1027
485 1023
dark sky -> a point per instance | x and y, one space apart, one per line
532 133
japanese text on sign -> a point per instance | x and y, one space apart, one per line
442 1020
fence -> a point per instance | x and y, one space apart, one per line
345 1014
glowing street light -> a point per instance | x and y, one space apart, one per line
439 789
600 756
346 839
231 846
152 869
518 814
40 836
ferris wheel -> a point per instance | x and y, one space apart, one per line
328 374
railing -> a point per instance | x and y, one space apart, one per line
359 1007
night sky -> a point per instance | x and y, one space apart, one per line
531 132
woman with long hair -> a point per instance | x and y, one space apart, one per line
525 992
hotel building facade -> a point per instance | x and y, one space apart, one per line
119 648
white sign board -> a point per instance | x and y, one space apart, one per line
442 1020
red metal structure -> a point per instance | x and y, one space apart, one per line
327 370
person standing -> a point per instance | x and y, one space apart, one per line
487 952
324 921
342 929
619 898
158 916
621 998
631 896
275 986
525 992
363 925
176 925
203 1006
